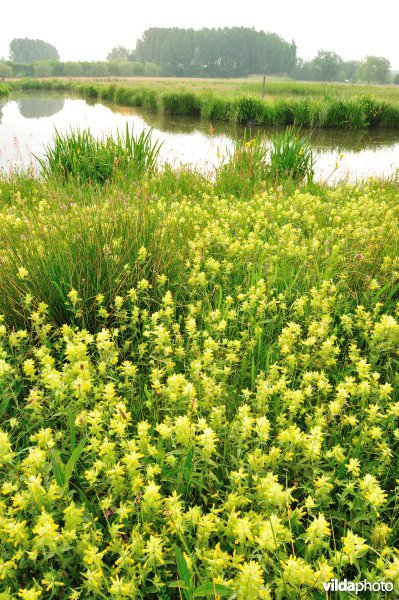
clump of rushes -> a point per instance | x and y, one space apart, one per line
84 158
181 103
252 163
4 89
291 157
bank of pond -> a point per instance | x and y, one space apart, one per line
331 110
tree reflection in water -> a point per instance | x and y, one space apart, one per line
35 108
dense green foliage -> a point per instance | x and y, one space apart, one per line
227 52
198 390
375 69
118 53
329 66
25 50
5 70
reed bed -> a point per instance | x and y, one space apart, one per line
315 110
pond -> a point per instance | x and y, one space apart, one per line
27 123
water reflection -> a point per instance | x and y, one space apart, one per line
321 139
28 121
3 102
36 108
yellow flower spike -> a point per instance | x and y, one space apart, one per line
22 273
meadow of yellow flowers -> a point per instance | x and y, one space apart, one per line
198 392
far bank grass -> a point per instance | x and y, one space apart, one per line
285 102
233 88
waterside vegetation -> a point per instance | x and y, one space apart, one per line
311 105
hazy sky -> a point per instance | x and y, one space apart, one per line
88 29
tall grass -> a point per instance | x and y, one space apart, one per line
243 168
4 89
91 245
291 156
84 158
312 105
181 103
287 157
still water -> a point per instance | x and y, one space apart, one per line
27 125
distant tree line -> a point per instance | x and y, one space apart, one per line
329 66
120 68
25 50
227 52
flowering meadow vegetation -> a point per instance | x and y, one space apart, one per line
198 389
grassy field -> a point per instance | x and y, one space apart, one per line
233 88
274 87
198 381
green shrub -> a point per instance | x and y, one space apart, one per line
389 116
373 110
302 112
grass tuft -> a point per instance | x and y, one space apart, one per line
291 157
84 158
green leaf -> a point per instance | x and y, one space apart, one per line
4 405
183 569
178 584
72 430
215 589
147 393
59 290
73 459
58 468
188 465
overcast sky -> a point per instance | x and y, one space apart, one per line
89 29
